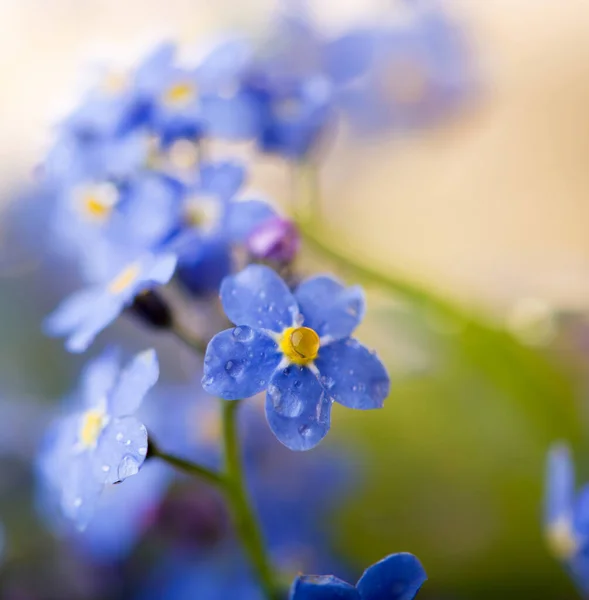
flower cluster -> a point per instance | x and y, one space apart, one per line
150 216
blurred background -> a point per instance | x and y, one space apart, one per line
485 207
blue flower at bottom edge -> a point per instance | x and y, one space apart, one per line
298 348
102 443
87 312
396 577
566 516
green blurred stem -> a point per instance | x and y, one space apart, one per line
245 519
188 467
188 339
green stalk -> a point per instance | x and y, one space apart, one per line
246 523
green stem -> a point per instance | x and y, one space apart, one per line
246 523
188 338
188 467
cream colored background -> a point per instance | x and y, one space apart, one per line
493 206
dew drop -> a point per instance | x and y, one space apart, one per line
354 388
142 450
128 443
129 466
234 369
105 468
262 295
119 437
78 502
206 381
286 404
297 383
262 382
327 382
305 430
243 334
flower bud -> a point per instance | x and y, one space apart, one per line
275 239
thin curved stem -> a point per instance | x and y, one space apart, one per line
189 467
245 519
188 339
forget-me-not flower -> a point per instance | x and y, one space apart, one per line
396 577
566 516
102 442
87 312
297 346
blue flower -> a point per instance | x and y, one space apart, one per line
566 516
211 222
87 312
102 442
298 348
396 577
402 78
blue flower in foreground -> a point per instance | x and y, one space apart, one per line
566 516
298 348
101 443
396 577
87 312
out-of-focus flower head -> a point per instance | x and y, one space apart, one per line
298 348
87 312
101 443
403 77
566 516
396 577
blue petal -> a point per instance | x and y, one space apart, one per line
297 408
99 377
330 308
258 297
101 314
352 375
134 382
71 312
322 587
244 217
162 269
239 363
223 65
350 56
560 484
396 577
121 450
222 179
80 490
234 118
581 513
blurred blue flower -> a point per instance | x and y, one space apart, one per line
124 513
87 312
403 77
101 442
566 516
298 348
211 222
396 577
223 574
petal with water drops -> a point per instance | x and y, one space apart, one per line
297 408
239 363
330 308
352 375
121 450
259 298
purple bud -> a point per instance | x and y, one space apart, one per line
275 239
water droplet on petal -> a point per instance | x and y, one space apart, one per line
327 382
78 502
234 369
142 450
262 382
305 430
285 402
119 437
206 381
243 334
128 443
106 468
129 466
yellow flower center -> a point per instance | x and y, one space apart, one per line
180 93
202 212
560 538
124 279
300 345
92 425
97 201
